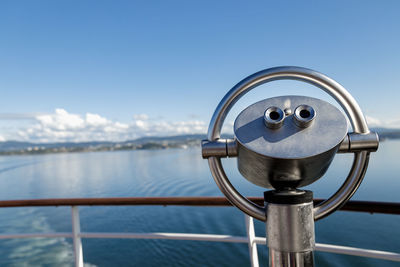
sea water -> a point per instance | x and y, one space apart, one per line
174 172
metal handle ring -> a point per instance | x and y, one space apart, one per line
334 89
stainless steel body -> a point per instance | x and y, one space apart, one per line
282 173
290 156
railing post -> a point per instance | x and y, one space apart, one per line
251 240
76 231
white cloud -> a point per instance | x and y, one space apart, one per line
95 120
62 126
374 122
61 120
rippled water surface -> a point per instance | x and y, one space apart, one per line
173 172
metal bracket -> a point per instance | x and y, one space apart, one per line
356 142
219 148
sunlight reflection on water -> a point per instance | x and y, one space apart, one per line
172 173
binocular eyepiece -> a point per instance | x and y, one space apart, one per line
303 116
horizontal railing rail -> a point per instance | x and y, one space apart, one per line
251 239
352 205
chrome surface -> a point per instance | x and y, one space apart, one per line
290 231
273 117
231 147
361 142
219 148
288 111
355 142
304 116
338 92
290 227
291 259
214 148
290 156
344 146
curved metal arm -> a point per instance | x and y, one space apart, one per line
334 89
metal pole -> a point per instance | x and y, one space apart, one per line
290 228
76 231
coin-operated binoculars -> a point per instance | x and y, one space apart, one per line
285 143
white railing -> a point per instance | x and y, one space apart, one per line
251 239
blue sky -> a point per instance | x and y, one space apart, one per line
111 70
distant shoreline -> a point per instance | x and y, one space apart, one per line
147 146
10 148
